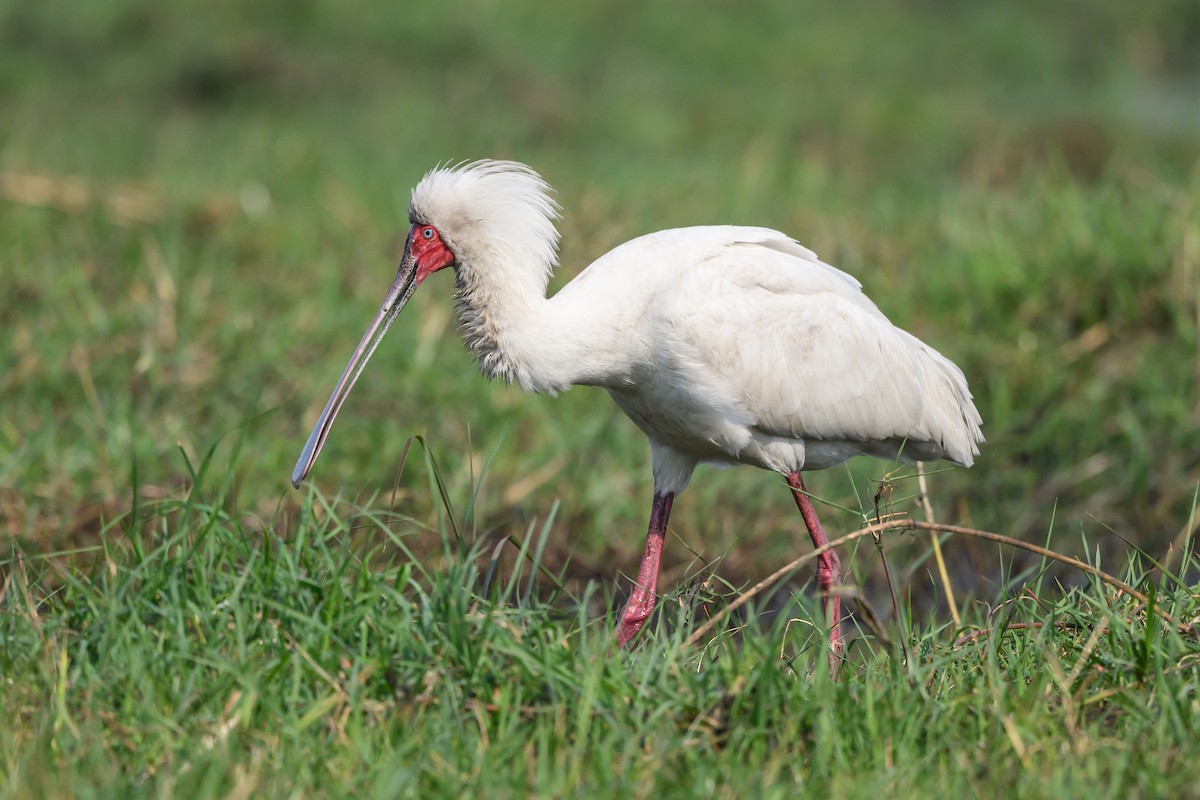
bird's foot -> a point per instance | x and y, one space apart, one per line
837 649
831 605
636 612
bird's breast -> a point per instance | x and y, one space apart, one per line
692 419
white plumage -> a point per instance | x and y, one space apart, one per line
724 344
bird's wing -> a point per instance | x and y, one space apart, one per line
804 353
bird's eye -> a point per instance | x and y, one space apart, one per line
427 233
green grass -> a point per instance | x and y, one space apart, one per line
198 654
199 211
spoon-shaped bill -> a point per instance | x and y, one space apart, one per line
402 289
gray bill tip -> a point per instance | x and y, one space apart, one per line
401 289
309 454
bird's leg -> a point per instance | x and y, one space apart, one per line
641 602
829 569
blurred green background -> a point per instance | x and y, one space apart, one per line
200 205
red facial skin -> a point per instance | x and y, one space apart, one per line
428 251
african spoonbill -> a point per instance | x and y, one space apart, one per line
723 344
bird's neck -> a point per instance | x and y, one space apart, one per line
514 331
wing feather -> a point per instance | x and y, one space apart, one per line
799 351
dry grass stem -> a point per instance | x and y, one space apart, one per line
899 524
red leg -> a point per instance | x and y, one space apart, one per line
641 602
829 569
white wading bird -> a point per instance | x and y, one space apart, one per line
723 344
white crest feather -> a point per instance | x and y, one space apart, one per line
497 217
490 211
